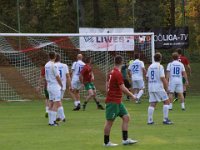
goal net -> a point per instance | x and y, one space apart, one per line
22 55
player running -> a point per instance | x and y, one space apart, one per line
157 85
65 78
175 73
136 72
77 66
87 78
54 86
42 83
114 106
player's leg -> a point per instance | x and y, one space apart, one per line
60 112
75 94
99 106
111 113
170 101
88 97
180 90
151 108
77 102
141 90
184 88
46 102
182 99
125 121
172 89
128 86
164 97
50 112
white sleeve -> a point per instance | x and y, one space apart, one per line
142 64
73 65
168 66
129 67
161 71
67 69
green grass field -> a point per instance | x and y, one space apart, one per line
23 126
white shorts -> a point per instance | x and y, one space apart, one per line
178 88
76 84
54 94
62 94
158 96
138 84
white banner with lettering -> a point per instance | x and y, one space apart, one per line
106 43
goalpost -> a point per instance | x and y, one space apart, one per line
21 57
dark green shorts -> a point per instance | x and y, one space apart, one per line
89 86
114 110
46 93
183 80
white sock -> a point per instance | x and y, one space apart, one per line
50 117
183 105
170 106
165 112
140 94
150 114
53 118
79 102
61 114
75 103
47 109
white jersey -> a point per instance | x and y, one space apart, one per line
154 73
51 71
63 71
175 69
77 68
136 69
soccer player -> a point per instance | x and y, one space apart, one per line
175 73
136 72
87 78
157 85
76 85
42 82
65 78
124 75
114 106
54 86
186 64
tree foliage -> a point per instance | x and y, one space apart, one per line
61 16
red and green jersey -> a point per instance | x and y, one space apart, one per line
114 93
86 72
183 60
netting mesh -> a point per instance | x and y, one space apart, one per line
22 58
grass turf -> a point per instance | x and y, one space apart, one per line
23 126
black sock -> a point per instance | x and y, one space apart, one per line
97 102
106 139
85 103
184 94
176 95
125 135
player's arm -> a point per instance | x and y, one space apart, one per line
92 76
59 80
126 91
68 80
186 78
189 68
165 83
167 75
